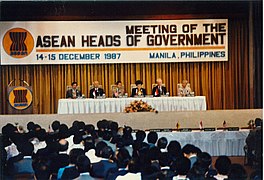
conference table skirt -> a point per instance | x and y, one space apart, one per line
112 105
216 143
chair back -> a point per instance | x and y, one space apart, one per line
154 85
92 86
70 87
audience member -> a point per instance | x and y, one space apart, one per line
222 165
237 171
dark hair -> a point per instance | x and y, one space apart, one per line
117 82
133 166
74 153
181 165
74 83
237 171
107 152
258 122
222 165
26 148
188 149
98 148
41 134
41 167
174 148
162 143
83 164
30 126
165 159
123 157
140 136
204 159
63 145
55 125
197 172
77 138
153 153
152 137
138 82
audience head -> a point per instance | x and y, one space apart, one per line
258 122
204 159
99 147
162 143
153 153
25 148
123 157
83 164
181 165
165 159
41 134
74 153
140 136
74 85
30 126
237 171
222 165
133 166
152 137
188 150
77 138
41 167
55 125
107 152
174 149
63 145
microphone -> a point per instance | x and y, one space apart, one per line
24 82
11 82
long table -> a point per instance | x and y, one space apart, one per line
112 105
216 143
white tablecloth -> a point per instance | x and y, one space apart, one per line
112 105
216 143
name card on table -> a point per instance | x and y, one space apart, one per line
160 130
185 130
209 129
233 128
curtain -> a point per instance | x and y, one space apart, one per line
225 84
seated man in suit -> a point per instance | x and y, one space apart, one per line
118 90
138 91
73 93
159 90
184 90
96 91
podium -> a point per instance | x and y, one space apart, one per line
20 99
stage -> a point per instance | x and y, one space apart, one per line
146 120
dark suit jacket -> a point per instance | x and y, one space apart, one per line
100 92
134 92
101 168
70 95
164 91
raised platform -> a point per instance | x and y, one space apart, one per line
142 120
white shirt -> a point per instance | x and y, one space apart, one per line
130 176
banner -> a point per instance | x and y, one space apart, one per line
93 42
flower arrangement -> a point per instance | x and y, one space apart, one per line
139 106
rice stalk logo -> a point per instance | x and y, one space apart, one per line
20 97
18 43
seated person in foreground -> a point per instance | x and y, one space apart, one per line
96 91
118 90
159 90
138 91
184 90
73 93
